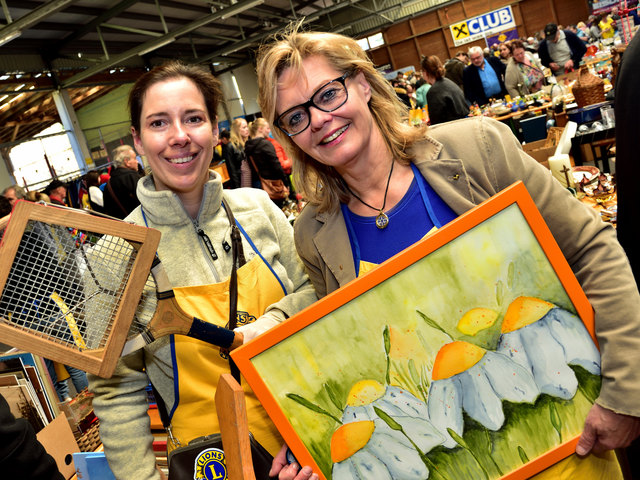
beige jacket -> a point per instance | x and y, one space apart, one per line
468 161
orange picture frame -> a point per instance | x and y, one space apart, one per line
462 298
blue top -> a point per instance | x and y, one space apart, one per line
411 219
490 82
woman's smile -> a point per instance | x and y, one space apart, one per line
333 136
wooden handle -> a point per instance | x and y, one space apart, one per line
234 428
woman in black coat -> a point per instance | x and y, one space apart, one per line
445 99
262 156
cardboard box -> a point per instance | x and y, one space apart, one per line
539 151
59 442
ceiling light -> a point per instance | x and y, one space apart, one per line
239 8
9 36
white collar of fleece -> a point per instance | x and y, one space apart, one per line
165 208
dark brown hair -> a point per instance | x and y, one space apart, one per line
209 86
515 44
433 66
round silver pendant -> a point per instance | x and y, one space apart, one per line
382 220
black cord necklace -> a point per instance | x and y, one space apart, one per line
381 219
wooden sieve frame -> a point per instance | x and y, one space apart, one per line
100 361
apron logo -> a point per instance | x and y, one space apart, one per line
209 465
244 318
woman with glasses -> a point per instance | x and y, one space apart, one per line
376 185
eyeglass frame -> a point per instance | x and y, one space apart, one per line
310 103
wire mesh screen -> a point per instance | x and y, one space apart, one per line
65 284
146 308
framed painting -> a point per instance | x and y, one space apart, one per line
469 355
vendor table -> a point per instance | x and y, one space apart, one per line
513 119
599 142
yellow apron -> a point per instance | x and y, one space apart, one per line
198 365
591 467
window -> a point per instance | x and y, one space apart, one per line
371 41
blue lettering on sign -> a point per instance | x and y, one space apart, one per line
490 21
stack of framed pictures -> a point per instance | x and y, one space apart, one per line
26 385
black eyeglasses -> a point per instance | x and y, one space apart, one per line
327 98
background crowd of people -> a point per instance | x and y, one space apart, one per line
515 67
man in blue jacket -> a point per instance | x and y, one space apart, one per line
484 78
561 50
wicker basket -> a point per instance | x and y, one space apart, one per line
90 440
588 88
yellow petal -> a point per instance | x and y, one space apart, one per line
455 357
350 438
524 311
364 392
477 319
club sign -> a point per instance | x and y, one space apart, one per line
483 25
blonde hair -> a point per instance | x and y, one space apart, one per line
235 136
35 196
256 125
321 184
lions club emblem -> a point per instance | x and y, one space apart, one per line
209 465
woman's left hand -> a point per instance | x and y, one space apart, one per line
289 471
605 429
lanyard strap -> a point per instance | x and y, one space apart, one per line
237 253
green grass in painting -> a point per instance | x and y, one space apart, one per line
526 434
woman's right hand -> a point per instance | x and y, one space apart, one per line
289 471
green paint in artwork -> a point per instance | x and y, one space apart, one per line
413 372
311 406
489 446
523 455
460 441
387 348
433 324
331 393
555 419
499 292
511 274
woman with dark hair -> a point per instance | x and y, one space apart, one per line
445 99
377 185
524 74
504 49
174 124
